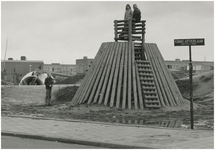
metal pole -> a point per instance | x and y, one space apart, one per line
191 88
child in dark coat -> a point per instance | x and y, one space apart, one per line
136 14
49 81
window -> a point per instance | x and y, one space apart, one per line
198 67
169 66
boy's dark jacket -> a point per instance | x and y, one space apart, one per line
137 15
49 82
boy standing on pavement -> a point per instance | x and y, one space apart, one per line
49 81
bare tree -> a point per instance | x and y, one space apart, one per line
6 49
5 54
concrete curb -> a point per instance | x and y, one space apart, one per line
74 141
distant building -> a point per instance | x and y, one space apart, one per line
64 69
198 66
82 65
177 65
14 70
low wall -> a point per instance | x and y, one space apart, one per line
26 94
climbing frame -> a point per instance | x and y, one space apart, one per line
129 75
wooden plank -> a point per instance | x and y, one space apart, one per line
113 67
91 80
93 83
134 79
109 63
162 75
118 21
124 98
124 27
116 74
137 32
87 76
122 39
157 76
163 82
129 76
164 71
100 71
101 83
130 30
172 85
119 87
140 94
115 30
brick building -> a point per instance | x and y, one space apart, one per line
14 70
82 65
63 69
198 66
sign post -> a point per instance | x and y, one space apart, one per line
190 42
191 88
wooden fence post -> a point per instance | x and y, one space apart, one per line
115 30
130 30
143 31
143 40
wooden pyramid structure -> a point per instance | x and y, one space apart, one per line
129 74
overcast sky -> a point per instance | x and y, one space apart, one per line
61 32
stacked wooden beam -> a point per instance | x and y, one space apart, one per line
168 93
112 79
147 81
119 78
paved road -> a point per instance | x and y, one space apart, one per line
9 142
106 135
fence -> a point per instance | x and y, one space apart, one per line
124 30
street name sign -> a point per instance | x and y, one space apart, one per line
189 42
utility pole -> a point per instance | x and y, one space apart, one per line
191 88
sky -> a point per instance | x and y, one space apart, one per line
63 31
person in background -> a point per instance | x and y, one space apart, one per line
49 81
128 12
136 14
128 15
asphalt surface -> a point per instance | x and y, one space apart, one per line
109 135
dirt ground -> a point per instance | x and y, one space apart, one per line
174 117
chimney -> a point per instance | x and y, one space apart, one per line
23 58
